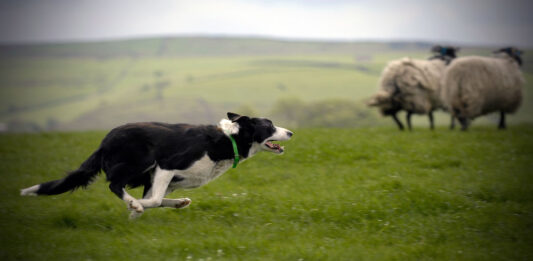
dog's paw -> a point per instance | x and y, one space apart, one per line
134 214
182 203
135 206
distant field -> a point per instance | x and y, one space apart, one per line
336 194
100 85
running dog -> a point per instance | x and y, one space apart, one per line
163 157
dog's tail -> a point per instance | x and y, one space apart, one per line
74 179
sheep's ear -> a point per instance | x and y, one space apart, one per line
233 116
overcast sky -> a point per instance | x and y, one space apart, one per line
487 22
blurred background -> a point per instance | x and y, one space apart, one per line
83 65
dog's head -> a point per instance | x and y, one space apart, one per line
259 133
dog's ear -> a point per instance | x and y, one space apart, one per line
233 116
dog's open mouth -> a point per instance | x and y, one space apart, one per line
273 147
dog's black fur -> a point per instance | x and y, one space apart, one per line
129 153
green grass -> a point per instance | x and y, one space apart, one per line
336 194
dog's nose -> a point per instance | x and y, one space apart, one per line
289 133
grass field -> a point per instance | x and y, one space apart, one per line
336 194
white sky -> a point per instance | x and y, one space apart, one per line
487 22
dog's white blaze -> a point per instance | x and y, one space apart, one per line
31 191
281 134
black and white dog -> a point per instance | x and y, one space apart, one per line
164 157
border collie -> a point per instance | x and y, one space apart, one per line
163 157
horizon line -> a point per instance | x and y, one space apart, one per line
242 36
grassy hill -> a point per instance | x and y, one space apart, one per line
80 86
203 46
336 194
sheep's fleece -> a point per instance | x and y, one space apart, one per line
412 83
480 85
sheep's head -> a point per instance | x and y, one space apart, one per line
379 99
445 53
511 52
385 102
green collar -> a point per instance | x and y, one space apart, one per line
235 151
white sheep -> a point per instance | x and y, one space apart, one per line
474 86
412 85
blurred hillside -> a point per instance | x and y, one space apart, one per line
202 46
99 85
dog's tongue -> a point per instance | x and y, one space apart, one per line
272 145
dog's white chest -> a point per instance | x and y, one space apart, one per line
200 173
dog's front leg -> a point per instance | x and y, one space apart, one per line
170 202
159 186
175 203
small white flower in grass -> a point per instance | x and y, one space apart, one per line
220 252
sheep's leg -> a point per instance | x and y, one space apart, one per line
502 125
452 122
408 119
431 122
464 123
398 122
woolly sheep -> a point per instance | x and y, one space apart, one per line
476 85
412 85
